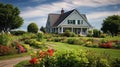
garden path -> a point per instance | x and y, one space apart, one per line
12 62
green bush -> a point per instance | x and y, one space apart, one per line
96 33
89 35
116 62
35 43
117 44
67 33
71 59
70 41
5 39
19 32
103 35
6 50
33 28
75 41
57 39
39 36
26 46
27 36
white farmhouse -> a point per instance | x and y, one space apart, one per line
71 20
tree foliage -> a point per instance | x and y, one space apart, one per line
9 17
32 27
111 24
42 29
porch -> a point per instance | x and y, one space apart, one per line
76 30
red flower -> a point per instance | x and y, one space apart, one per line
51 52
33 60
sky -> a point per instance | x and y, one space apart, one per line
37 10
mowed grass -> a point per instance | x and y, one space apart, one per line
114 53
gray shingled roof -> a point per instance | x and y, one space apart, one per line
53 18
62 17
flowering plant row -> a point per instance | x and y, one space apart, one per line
70 58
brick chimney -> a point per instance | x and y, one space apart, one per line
62 11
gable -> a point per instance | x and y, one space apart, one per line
75 15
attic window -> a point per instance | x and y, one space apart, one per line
81 21
71 21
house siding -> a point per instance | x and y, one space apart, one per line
74 16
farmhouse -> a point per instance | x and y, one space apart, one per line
71 20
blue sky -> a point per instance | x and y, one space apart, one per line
37 10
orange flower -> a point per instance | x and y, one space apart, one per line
42 54
51 52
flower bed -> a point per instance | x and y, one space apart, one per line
72 58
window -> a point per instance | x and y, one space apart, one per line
81 21
68 21
78 21
71 21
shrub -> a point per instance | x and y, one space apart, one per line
27 36
39 36
26 46
103 35
57 39
19 32
70 58
42 58
35 43
89 35
5 39
117 44
70 41
6 50
67 33
116 63
106 45
89 44
33 28
20 48
96 33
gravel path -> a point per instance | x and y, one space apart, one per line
12 62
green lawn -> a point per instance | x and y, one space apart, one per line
114 53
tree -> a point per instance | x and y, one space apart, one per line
111 24
32 27
9 17
42 29
96 33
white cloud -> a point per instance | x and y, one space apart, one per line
44 9
93 3
98 15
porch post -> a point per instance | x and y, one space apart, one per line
61 29
72 29
81 31
58 29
